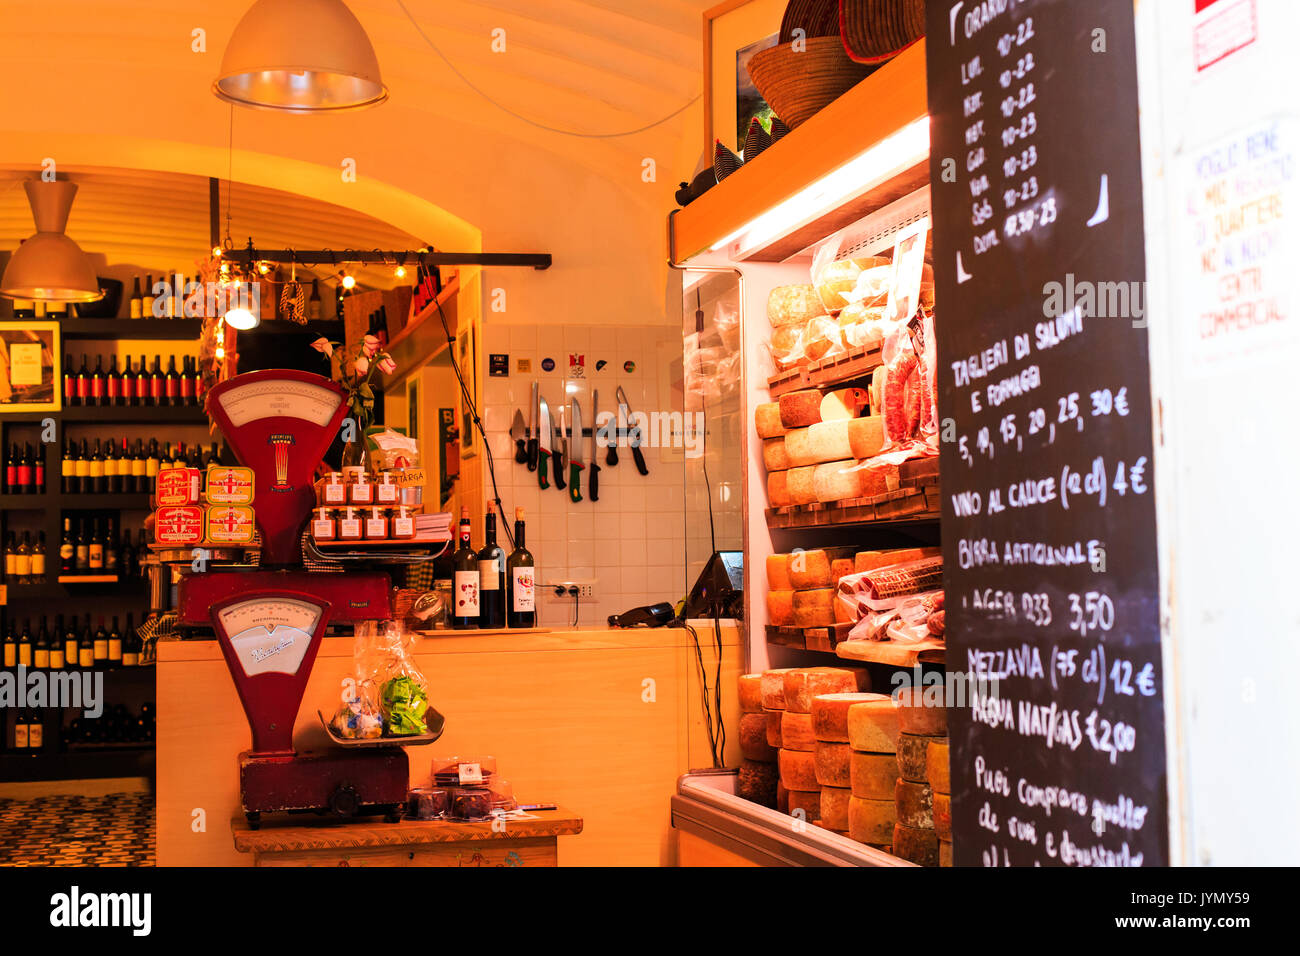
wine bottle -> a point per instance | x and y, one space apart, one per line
100 644
97 379
26 476
86 648
113 383
111 559
172 384
11 469
465 583
67 549
492 578
95 550
83 382
58 650
20 731
83 549
186 382
70 652
38 470
156 396
314 303
97 477
41 650
23 560
84 484
136 306
69 382
25 645
142 382
122 472
148 306
38 559
127 567
35 731
11 557
522 610
10 648
115 645
130 644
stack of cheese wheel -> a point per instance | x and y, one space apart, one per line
936 774
772 700
815 577
758 776
871 726
798 756
833 757
921 723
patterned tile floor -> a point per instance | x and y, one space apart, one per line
116 829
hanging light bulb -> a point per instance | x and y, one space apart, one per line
348 282
400 272
216 252
263 268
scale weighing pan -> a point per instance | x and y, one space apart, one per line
437 723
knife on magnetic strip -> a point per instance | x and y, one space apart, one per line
534 427
544 442
575 452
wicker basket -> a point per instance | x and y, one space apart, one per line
817 18
878 30
797 84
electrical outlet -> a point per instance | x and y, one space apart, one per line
586 590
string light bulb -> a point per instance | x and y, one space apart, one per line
400 272
216 252
348 282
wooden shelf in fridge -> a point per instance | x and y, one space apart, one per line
917 503
828 373
882 104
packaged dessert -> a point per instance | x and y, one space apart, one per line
178 486
471 803
228 486
428 803
178 526
230 524
463 771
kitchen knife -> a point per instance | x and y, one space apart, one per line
575 458
593 483
533 426
558 449
544 449
518 433
637 456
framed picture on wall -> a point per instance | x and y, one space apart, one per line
467 359
30 367
733 32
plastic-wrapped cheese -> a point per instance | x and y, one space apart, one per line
778 572
866 436
803 684
921 716
773 718
937 774
832 764
799 482
796 732
798 770
830 714
753 739
912 752
873 726
815 608
823 442
800 408
788 304
915 804
751 693
813 568
835 808
767 420
775 457
943 816
786 345
871 821
773 686
778 489
843 404
780 608
757 782
837 281
916 845
872 776
805 804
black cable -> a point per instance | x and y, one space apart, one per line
712 718
717 686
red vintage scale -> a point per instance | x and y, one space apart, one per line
270 620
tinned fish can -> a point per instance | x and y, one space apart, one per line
178 526
229 486
230 524
178 486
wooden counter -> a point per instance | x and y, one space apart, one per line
601 721
528 842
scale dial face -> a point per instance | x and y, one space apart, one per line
280 398
269 635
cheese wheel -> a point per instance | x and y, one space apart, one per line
756 782
836 281
778 489
835 808
773 687
945 853
796 732
830 714
817 444
871 821
751 693
805 804
785 345
815 608
799 482
936 765
866 436
870 560
872 776
800 408
753 739
780 608
843 404
773 718
798 770
840 567
832 764
787 304
802 684
775 457
915 845
943 816
841 480
820 335
921 713
912 752
812 569
915 804
873 726
782 796
767 420
778 572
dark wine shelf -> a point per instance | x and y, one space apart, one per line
175 330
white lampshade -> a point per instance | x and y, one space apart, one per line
49 265
300 56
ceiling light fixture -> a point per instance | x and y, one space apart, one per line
300 56
49 265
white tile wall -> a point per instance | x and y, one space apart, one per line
633 540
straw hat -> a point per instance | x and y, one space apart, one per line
877 30
799 83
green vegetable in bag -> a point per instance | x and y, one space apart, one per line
404 702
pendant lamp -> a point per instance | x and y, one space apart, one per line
49 265
300 56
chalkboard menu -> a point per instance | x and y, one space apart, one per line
1058 751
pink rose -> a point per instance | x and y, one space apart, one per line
387 366
322 345
361 364
370 345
